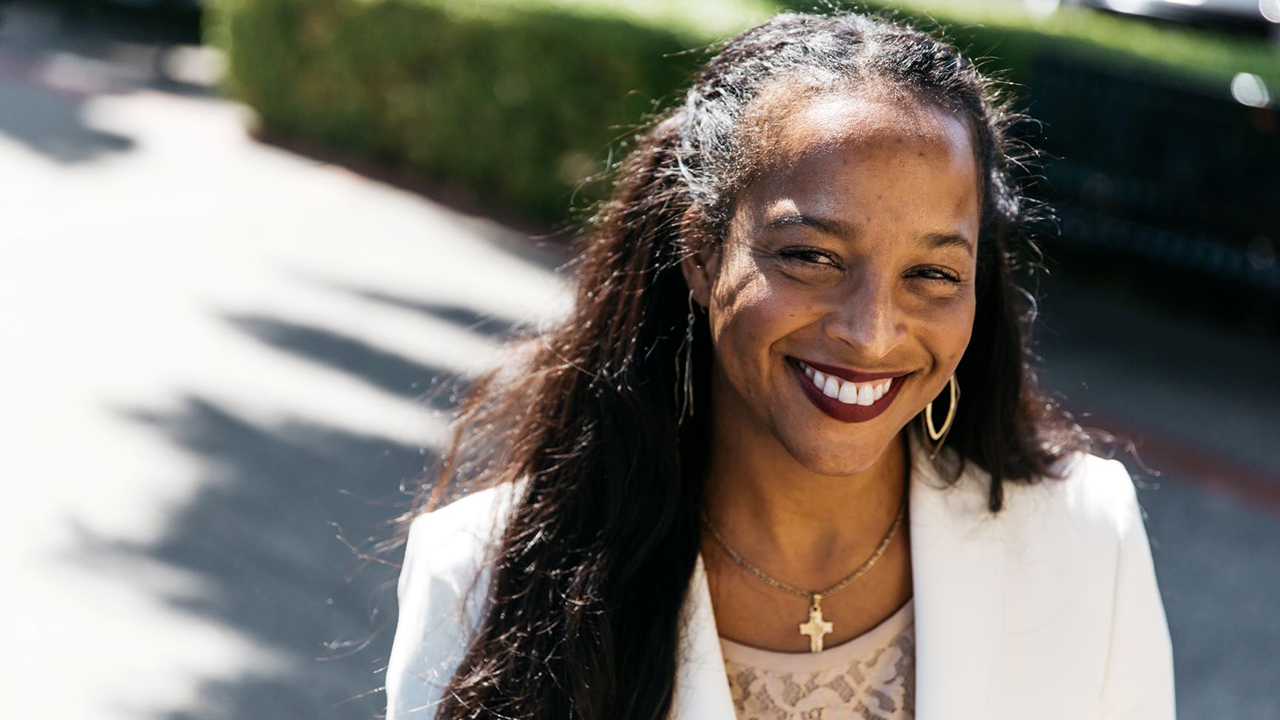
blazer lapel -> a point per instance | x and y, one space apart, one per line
958 575
957 570
702 686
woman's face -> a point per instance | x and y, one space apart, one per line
852 254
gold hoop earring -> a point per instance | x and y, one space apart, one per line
938 436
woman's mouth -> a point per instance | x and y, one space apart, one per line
846 396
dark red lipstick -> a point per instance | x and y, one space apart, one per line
852 375
845 412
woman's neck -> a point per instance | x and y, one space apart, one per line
781 516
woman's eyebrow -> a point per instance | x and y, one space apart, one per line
942 240
839 229
835 228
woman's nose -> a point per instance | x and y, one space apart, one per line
866 318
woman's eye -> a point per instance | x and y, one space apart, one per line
938 274
807 256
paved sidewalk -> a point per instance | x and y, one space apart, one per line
219 368
216 356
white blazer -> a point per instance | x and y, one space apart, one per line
1048 610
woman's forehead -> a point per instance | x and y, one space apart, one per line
908 165
856 124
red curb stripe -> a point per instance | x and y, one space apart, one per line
1204 467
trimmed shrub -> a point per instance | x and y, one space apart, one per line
516 101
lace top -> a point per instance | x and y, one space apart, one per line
871 677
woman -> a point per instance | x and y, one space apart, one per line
721 488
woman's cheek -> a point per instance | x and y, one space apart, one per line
952 339
950 313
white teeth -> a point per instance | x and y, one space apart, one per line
866 395
845 391
848 393
832 388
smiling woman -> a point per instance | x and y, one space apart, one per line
721 489
852 249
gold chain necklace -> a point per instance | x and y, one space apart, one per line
816 628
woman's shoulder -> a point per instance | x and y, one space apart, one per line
1092 492
441 589
1077 533
1085 493
471 513
453 536
1079 572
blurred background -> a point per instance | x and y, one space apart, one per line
246 242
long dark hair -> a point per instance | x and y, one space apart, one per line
591 568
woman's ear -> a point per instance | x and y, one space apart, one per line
699 265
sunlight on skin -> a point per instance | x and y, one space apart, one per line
867 292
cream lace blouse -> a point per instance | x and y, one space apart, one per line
871 677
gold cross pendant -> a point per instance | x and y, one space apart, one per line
815 628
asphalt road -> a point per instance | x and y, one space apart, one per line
219 362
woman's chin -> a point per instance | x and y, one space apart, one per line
837 459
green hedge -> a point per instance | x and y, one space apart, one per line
516 101
1009 38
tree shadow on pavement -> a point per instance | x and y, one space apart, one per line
292 533
468 318
57 57
379 368
267 534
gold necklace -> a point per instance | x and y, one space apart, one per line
816 628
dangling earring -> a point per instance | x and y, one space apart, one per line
686 348
938 436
